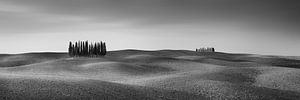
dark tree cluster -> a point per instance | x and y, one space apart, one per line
205 50
83 48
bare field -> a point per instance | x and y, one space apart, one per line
149 75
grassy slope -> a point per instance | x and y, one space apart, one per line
164 74
28 58
45 89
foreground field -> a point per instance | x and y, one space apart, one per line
150 75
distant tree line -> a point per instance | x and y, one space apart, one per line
83 48
205 50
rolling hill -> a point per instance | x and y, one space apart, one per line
150 75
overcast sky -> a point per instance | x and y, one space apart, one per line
237 26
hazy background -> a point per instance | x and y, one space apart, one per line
238 26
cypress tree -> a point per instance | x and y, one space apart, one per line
98 49
95 49
90 49
101 48
78 48
104 49
75 49
86 48
81 48
70 48
78 52
79 45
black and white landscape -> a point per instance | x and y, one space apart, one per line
149 50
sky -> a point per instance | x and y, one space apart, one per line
268 27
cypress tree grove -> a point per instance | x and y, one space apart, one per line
205 50
83 48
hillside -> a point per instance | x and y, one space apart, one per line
150 75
